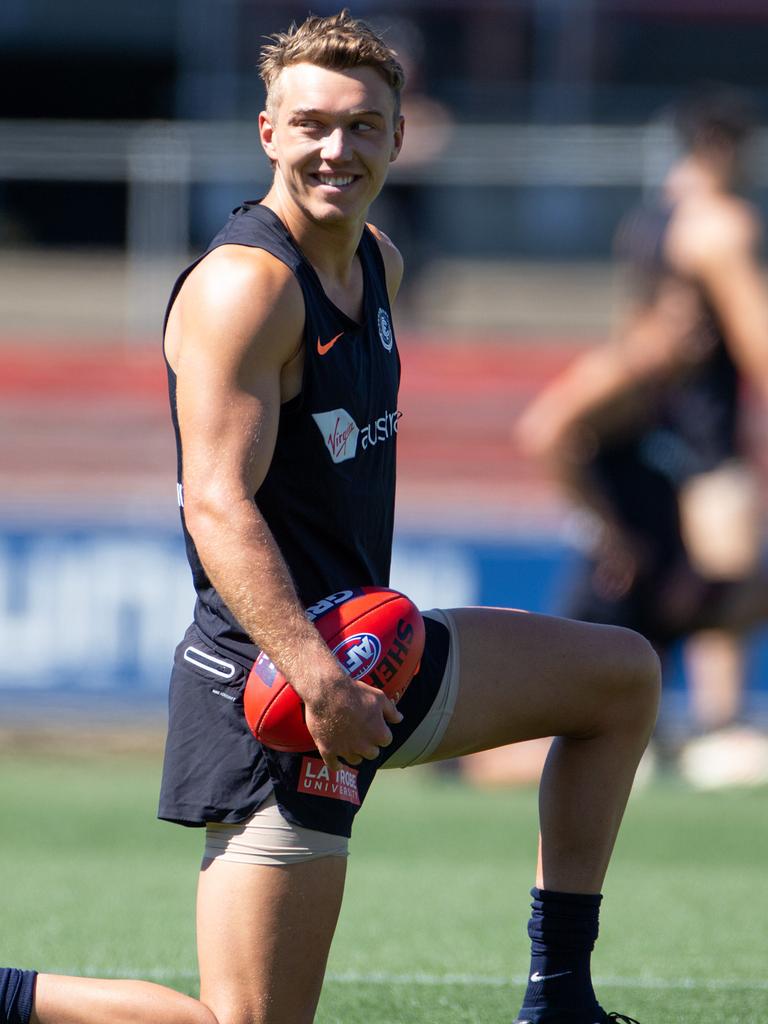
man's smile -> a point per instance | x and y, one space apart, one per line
334 180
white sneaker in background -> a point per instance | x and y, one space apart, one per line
735 756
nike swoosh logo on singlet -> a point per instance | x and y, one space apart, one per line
323 348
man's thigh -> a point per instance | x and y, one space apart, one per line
263 938
524 676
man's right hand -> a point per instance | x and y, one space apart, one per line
349 720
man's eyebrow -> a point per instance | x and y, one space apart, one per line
314 112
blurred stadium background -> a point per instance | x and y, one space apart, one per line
128 132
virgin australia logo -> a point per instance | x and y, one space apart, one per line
339 432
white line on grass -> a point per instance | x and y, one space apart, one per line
435 980
481 980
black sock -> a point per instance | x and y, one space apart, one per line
563 929
17 989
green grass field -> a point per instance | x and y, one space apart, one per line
433 928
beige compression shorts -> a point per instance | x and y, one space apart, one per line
268 838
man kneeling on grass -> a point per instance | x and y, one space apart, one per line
281 353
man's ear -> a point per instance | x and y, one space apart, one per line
266 134
397 142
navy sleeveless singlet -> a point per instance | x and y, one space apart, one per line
328 497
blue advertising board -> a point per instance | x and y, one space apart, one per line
100 610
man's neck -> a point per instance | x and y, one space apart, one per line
330 248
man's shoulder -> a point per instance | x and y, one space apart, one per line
706 228
239 278
393 260
231 267
237 294
726 219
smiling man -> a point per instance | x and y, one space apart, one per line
284 372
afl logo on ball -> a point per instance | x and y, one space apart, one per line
358 654
385 329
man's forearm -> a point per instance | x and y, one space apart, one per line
244 563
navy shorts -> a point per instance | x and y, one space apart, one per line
215 770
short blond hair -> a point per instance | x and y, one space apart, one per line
338 42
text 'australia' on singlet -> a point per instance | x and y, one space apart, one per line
690 424
328 497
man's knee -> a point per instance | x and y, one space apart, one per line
234 1010
633 682
262 1012
237 1014
643 662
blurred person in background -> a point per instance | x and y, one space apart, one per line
644 432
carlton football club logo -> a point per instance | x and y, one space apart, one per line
385 330
358 654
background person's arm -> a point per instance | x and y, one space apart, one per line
603 385
719 247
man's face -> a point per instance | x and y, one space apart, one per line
331 137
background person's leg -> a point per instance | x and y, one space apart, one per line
715 665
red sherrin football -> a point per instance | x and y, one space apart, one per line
377 636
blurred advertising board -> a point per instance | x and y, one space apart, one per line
100 609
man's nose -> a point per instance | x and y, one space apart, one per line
334 144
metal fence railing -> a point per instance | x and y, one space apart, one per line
160 160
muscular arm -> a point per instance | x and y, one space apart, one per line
235 336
